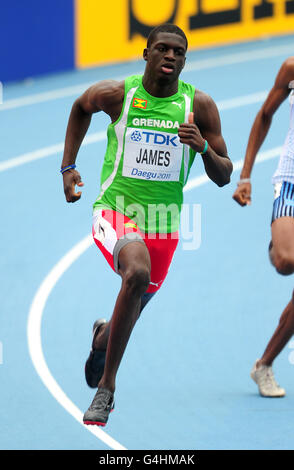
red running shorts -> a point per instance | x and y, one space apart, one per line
112 231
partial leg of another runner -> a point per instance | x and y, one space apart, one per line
262 372
281 252
281 336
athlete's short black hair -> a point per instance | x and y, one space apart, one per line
166 28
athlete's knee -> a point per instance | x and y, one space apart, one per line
283 262
136 280
271 253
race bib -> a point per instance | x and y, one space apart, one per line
152 155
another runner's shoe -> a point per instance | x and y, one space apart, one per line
264 377
101 406
95 363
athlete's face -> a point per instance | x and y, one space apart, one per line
166 56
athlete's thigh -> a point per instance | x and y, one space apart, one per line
113 232
283 235
283 220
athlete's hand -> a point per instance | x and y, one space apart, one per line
242 195
71 178
190 135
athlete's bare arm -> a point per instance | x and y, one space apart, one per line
261 125
105 96
206 125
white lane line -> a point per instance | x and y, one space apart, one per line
244 100
203 64
35 344
47 152
99 136
52 95
40 300
239 57
261 157
45 96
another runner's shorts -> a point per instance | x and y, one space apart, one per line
283 200
113 230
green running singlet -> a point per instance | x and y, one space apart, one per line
145 166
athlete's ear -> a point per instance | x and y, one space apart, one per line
145 53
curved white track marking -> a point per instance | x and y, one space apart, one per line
35 344
99 136
212 62
40 299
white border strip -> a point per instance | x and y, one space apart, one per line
186 148
119 130
40 300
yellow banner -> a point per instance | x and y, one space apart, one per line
116 30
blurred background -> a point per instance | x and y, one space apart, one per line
39 37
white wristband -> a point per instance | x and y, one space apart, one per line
243 180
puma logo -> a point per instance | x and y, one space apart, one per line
156 283
177 104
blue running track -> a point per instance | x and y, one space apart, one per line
184 381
